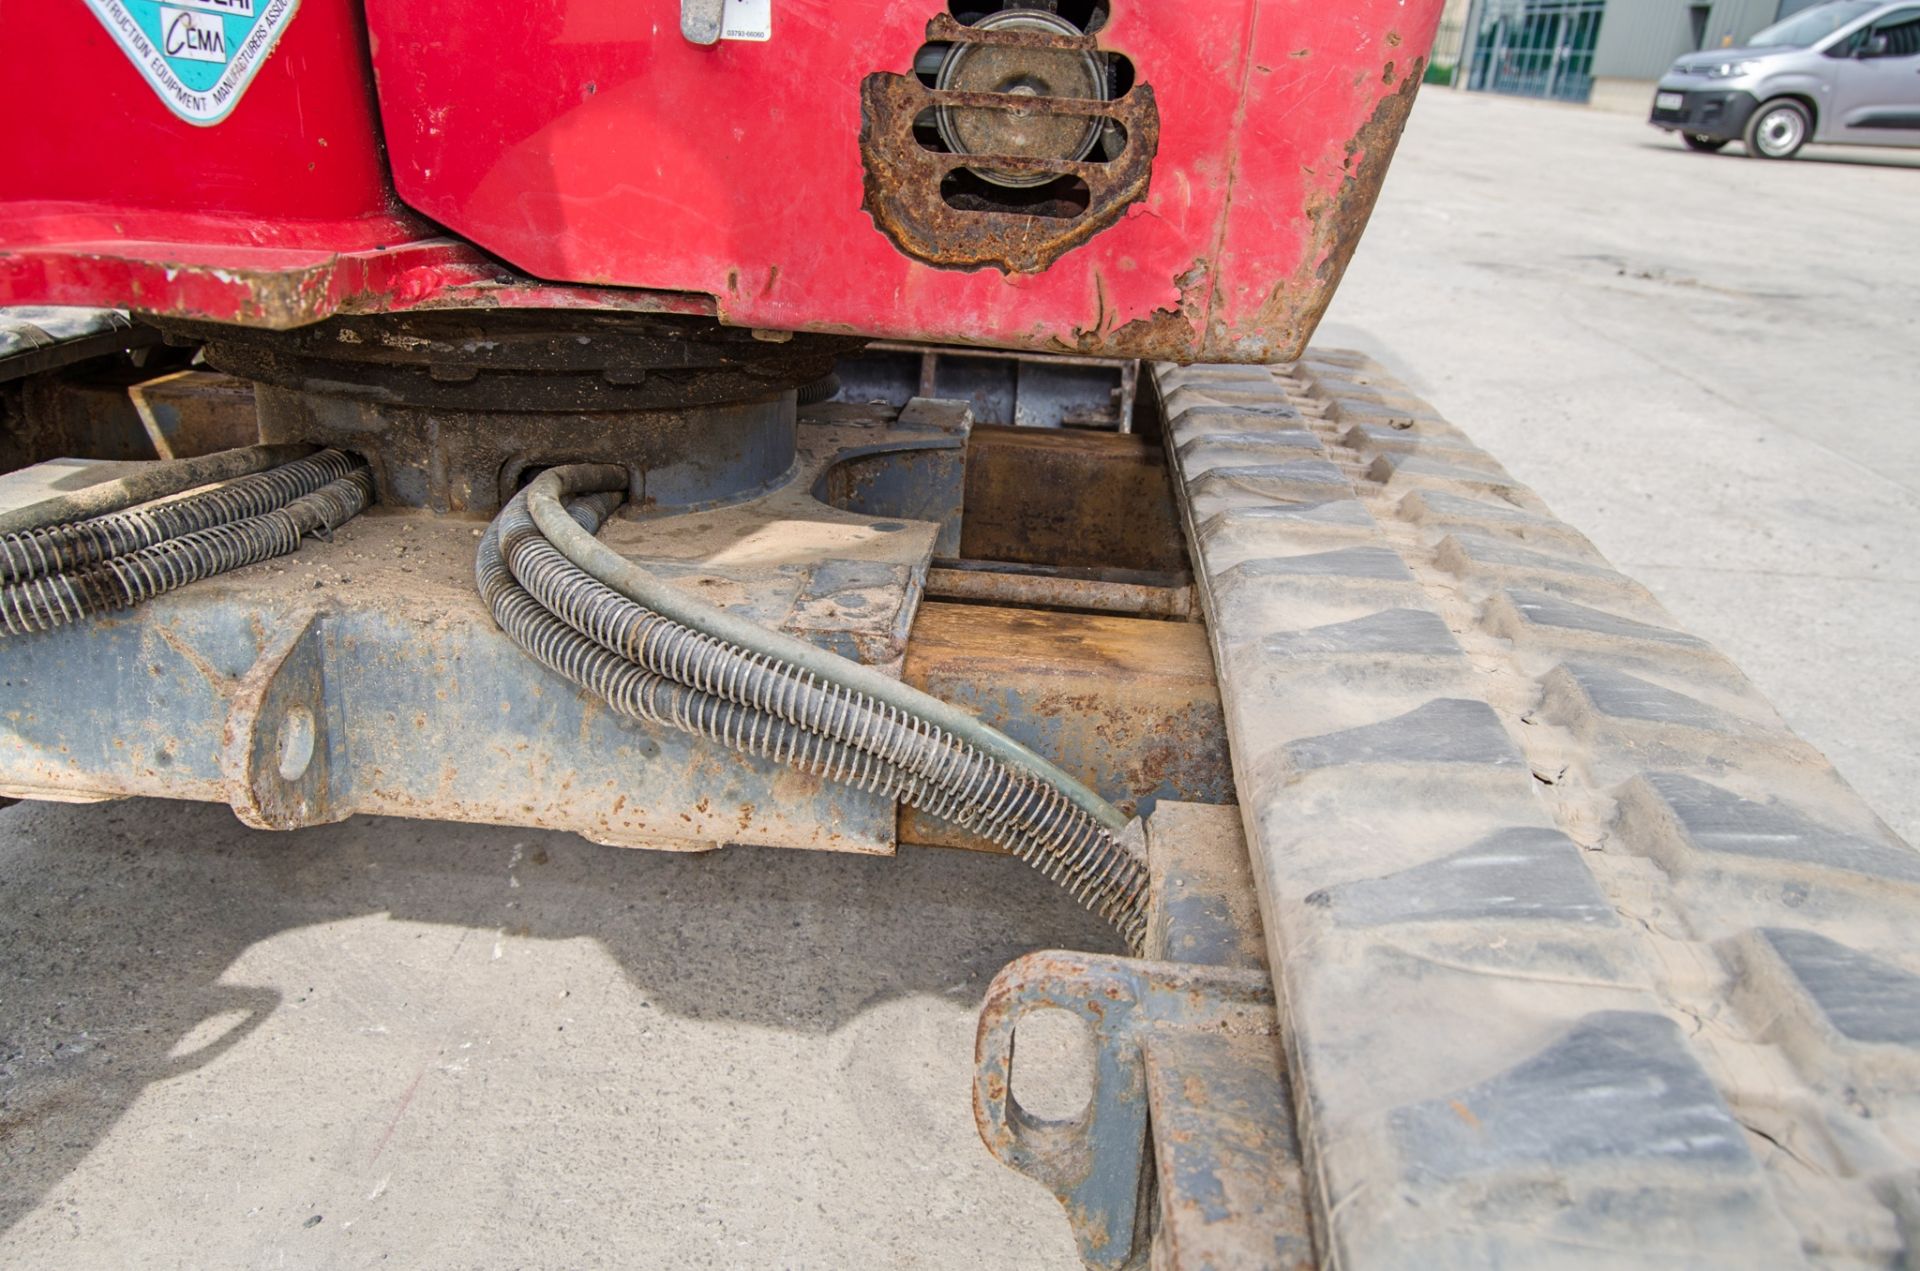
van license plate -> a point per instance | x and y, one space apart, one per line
1669 101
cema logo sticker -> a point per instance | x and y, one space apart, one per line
199 55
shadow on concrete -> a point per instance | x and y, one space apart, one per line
1842 156
119 921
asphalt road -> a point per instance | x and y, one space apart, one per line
403 1044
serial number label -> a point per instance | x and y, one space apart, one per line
747 20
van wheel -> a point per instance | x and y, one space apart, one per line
1706 145
1778 130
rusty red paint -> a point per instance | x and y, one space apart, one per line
903 179
1293 308
594 147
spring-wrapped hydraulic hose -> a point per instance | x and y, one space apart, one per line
151 481
640 694
62 573
63 548
653 667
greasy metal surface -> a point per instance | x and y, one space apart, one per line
1028 390
1051 497
521 359
81 411
190 413
65 378
452 407
373 656
903 179
1125 704
922 485
1185 1155
1056 591
35 338
45 417
469 462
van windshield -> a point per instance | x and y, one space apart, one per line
1810 26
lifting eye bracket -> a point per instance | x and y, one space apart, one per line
700 20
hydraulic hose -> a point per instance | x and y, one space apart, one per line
579 546
153 481
640 694
61 573
1087 872
70 545
652 665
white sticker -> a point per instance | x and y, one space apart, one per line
198 55
193 36
232 8
747 20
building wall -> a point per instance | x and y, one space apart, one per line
1640 38
1449 42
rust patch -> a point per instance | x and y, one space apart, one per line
1059 497
1168 334
904 180
1280 328
1163 335
1128 705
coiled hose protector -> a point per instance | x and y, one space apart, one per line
40 598
150 482
652 667
545 504
71 545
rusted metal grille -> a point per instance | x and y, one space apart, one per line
905 179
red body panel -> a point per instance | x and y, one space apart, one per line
298 162
112 199
587 142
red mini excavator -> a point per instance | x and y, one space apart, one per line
839 425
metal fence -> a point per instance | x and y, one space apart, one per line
1534 48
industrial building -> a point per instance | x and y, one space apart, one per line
1576 50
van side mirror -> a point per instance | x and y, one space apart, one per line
1874 46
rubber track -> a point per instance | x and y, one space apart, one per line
1586 959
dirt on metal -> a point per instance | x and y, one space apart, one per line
1045 496
1127 704
1042 591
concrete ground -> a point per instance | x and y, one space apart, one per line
404 1044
